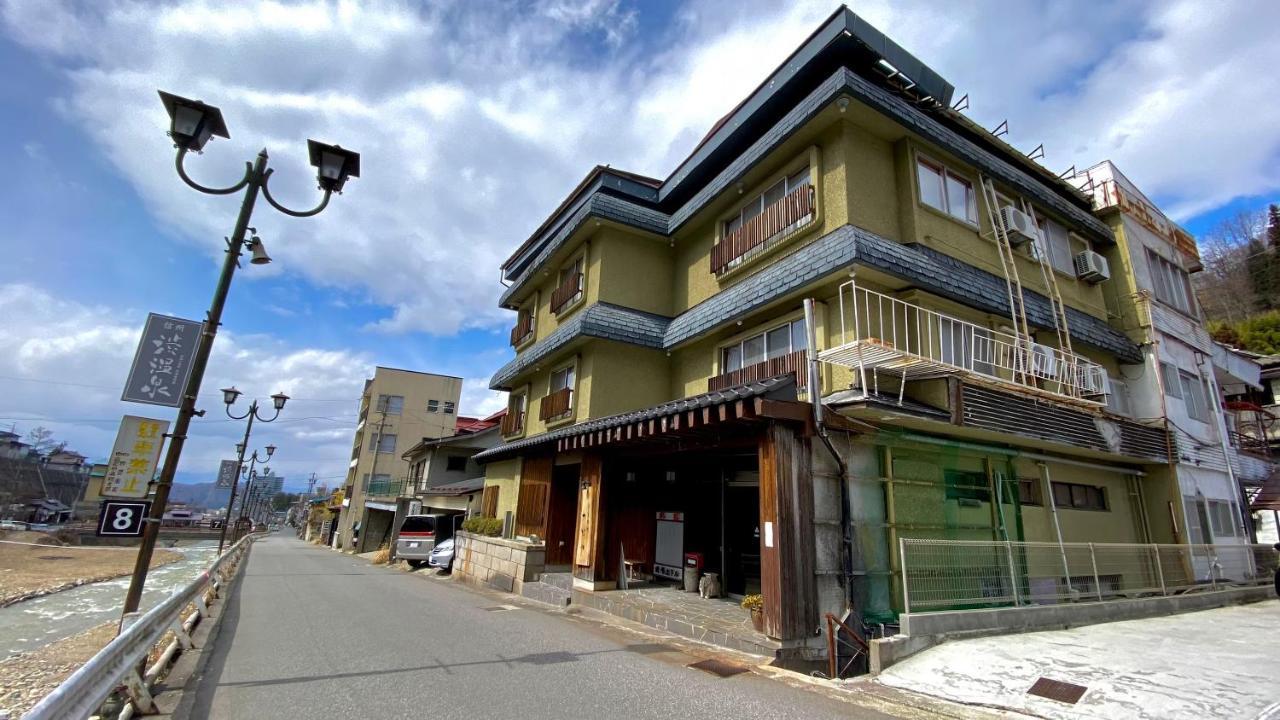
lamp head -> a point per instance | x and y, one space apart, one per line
271 450
333 164
191 122
279 399
239 448
229 395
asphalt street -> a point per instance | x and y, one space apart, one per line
309 632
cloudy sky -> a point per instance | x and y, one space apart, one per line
474 120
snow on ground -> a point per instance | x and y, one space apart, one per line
1222 663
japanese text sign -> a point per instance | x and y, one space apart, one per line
163 361
133 459
227 473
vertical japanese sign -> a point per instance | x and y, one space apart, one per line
227 473
163 361
133 459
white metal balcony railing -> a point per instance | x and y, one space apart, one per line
879 332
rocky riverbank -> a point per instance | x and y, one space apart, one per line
34 564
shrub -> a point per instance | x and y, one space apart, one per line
753 602
382 556
492 527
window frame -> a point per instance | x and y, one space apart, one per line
572 383
1169 375
785 178
1067 240
449 463
449 408
739 343
1170 284
384 404
433 406
378 440
1079 496
944 174
1195 396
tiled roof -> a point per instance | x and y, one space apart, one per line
461 487
779 388
601 320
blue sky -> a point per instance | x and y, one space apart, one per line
474 120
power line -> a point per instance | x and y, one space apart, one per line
45 381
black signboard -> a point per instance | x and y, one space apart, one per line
123 518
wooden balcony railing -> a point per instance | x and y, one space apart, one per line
522 330
512 422
792 209
781 365
566 293
555 404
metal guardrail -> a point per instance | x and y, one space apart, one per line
966 574
81 694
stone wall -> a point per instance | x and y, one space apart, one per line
497 562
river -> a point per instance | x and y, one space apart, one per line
35 623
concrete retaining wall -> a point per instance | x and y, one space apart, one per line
496 562
923 630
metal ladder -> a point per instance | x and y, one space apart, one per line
1017 306
1072 386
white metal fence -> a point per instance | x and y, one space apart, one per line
965 574
879 331
81 694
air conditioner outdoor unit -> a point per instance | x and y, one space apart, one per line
1092 267
1018 225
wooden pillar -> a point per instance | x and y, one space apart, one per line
589 556
786 535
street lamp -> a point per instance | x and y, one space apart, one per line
229 397
192 124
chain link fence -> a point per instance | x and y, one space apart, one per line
968 574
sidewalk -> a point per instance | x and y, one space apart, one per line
1222 663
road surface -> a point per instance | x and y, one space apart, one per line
312 633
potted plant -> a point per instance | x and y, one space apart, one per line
755 603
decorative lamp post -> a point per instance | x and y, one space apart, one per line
192 124
229 397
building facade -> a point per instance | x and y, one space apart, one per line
397 410
851 318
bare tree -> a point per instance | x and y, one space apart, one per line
1224 287
41 440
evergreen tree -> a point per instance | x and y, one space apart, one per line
1260 261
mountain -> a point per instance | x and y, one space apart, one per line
206 495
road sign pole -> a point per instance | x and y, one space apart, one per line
188 408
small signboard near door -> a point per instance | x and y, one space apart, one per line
668 553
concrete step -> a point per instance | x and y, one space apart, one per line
564 581
549 594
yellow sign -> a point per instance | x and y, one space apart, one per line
134 457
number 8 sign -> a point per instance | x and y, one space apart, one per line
123 518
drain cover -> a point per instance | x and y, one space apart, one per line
1063 692
501 608
718 667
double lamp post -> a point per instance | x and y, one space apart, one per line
192 124
229 396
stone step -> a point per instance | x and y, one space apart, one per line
549 594
564 581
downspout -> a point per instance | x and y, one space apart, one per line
1221 421
1057 528
815 399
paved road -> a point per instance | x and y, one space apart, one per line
312 633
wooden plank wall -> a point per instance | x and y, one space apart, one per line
535 492
787 558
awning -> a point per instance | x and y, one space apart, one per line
1268 498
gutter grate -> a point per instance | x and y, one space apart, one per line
1063 692
718 667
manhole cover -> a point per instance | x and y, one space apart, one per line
1063 692
718 667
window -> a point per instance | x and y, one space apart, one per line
456 463
378 479
433 406
1029 492
756 205
1194 396
1222 518
1197 521
383 443
1118 397
946 191
562 379
572 276
786 338
391 404
1172 284
448 407
971 486
1172 385
1060 246
1079 497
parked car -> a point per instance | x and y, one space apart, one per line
442 555
13 525
419 535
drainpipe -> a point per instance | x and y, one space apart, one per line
1057 528
1221 422
815 399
